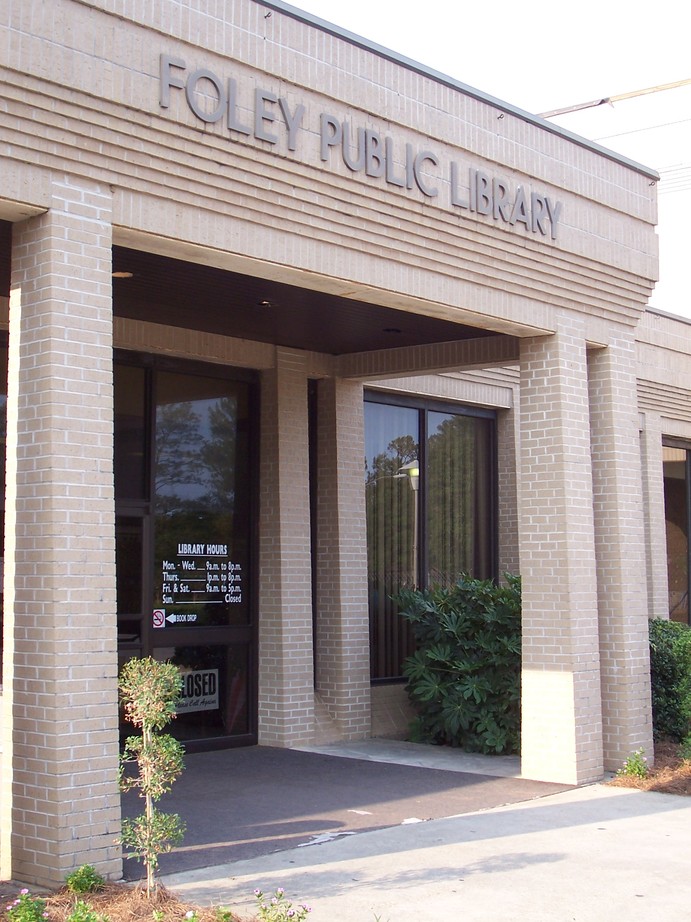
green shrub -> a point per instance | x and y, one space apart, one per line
276 908
85 879
26 908
464 677
670 678
82 912
685 749
636 766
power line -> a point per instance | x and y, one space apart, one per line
675 178
621 134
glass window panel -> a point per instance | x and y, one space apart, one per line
129 547
392 442
676 518
201 501
130 441
459 488
215 690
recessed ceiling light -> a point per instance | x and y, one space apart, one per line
123 275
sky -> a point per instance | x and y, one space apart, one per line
541 55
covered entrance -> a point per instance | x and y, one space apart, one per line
192 532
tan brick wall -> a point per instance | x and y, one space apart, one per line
342 616
60 587
286 672
561 716
619 547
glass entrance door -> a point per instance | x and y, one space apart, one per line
184 495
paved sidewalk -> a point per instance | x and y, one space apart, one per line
593 854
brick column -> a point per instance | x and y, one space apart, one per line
286 672
342 635
619 547
60 567
654 516
508 486
561 719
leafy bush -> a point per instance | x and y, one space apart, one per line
464 677
636 766
277 907
27 908
85 879
82 912
685 749
670 678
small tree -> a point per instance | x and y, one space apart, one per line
149 692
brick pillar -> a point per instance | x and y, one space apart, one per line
60 565
561 718
286 672
654 516
619 547
342 636
508 485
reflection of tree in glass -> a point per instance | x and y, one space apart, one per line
387 463
217 454
195 455
177 455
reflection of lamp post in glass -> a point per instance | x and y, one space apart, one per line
411 470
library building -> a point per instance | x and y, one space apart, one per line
289 322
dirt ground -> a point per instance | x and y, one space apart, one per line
127 903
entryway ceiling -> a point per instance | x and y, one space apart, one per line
182 294
172 291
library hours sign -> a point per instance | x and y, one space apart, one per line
196 578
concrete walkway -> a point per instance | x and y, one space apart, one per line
594 854
243 803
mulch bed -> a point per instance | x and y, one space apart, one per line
668 775
119 902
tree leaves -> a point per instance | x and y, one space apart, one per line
464 677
